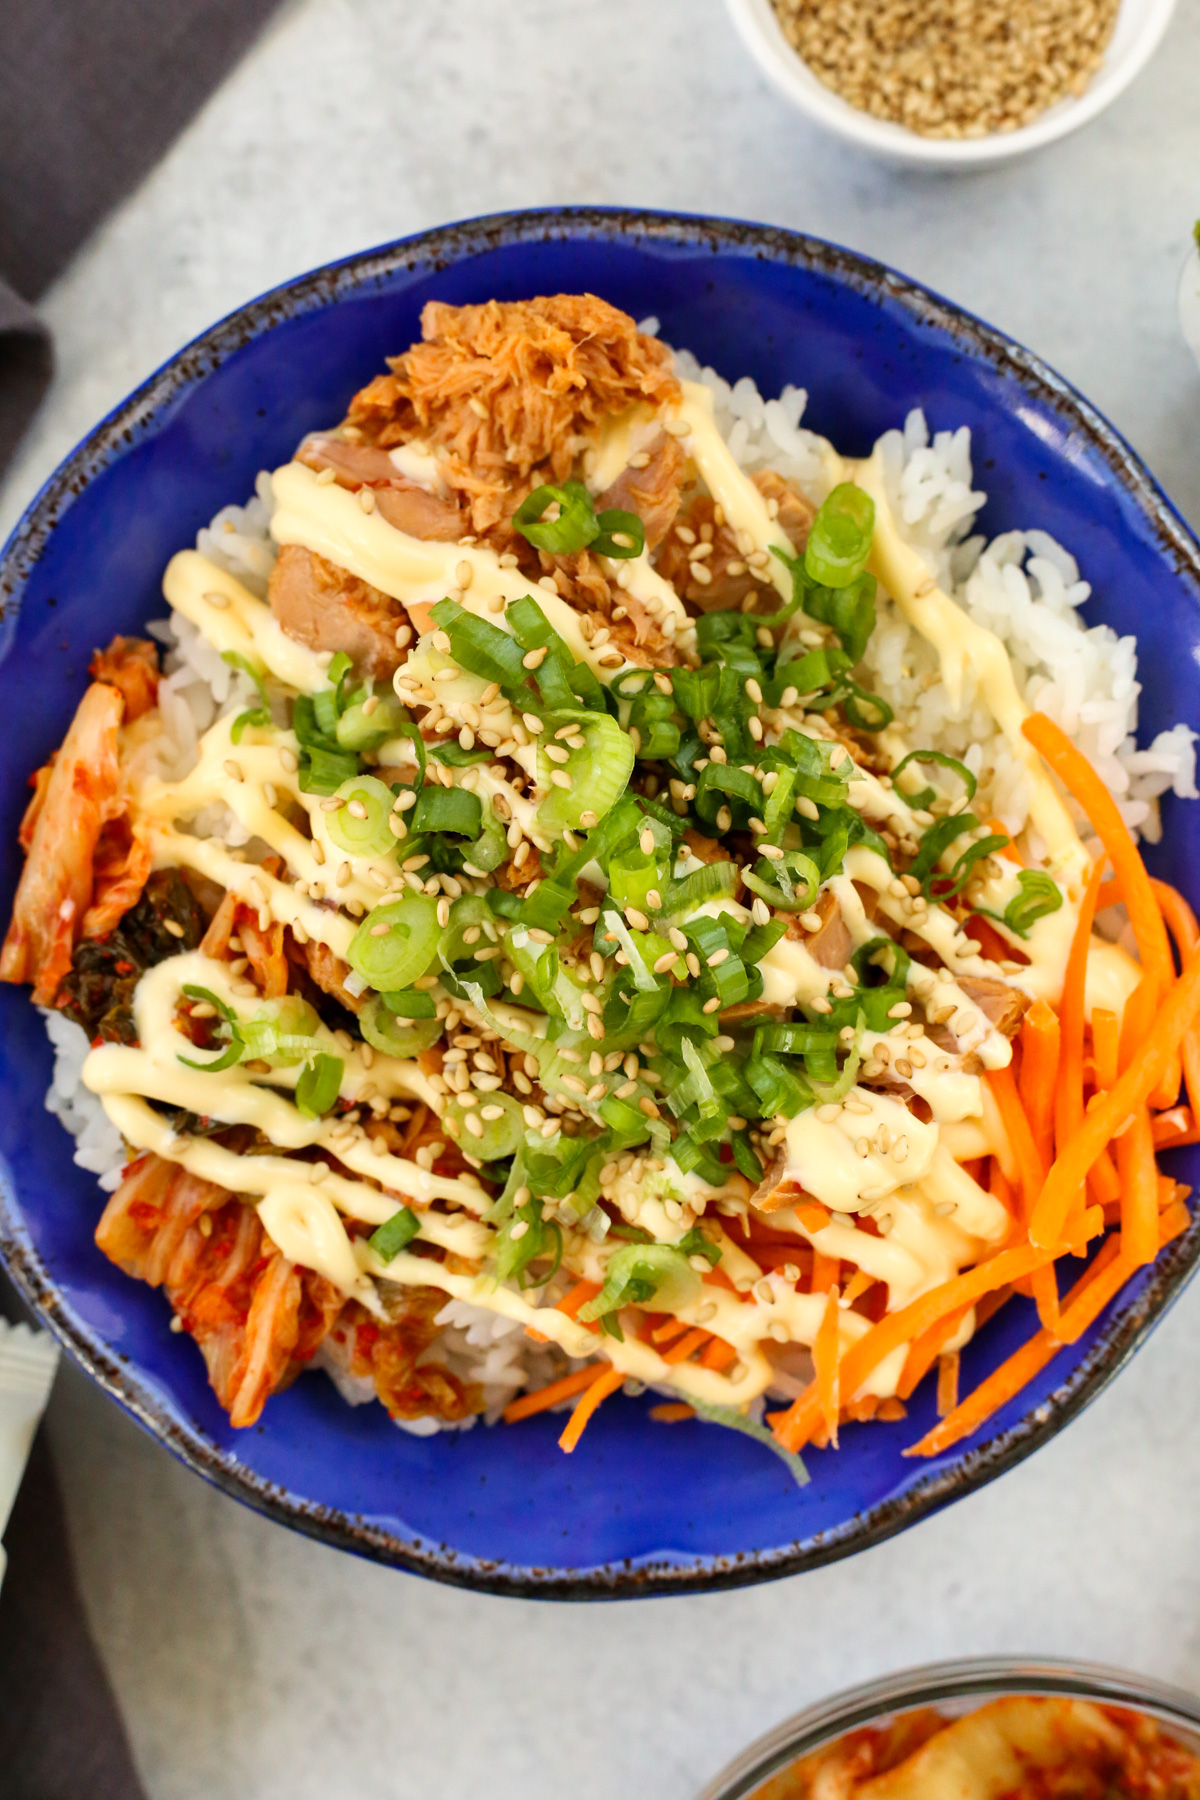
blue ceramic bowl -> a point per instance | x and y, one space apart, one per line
640 1508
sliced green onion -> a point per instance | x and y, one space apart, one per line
871 954
935 841
499 1137
395 1234
281 1032
447 809
573 529
1039 895
712 881
319 1084
393 958
369 835
393 1035
257 715
453 756
928 795
598 774
515 1253
480 648
410 1003
490 848
960 874
745 1157
735 1420
866 712
790 883
639 1273
839 541
358 729
614 524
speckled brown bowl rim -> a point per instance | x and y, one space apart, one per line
135 419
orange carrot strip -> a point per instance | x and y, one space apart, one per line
1041 1038
1139 1191
1174 1128
687 1346
1000 1187
1104 1180
1106 1041
551 1394
580 1294
857 1286
794 1426
591 1398
672 1412
924 1351
1010 851
812 1215
1078 775
1120 1103
825 1272
539 1337
1043 1285
1031 1170
1068 1098
662 1334
1145 915
1138 1021
1098 1284
1181 922
1172 1221
825 1363
718 1278
947 1385
718 1354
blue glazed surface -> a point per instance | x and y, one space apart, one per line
639 1507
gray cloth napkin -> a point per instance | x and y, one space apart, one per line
92 92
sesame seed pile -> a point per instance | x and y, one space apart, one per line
951 68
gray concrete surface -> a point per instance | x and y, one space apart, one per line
253 1665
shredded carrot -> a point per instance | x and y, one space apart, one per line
1010 851
1040 1040
529 1404
588 1402
1139 1191
825 1272
1068 1097
672 1412
538 1337
1077 774
687 1346
718 1354
924 1351
1000 1187
1106 1042
1031 1171
1172 1222
812 1215
1176 1127
857 1286
718 1278
1121 1102
891 1409
1096 1286
1043 1285
794 1427
825 1362
1145 916
1181 922
580 1294
662 1334
947 1386
1103 1180
1137 1022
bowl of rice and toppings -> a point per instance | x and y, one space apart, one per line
944 85
596 884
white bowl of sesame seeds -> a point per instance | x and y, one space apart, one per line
981 125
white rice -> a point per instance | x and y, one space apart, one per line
1022 585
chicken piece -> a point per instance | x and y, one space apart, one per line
725 579
1002 1006
403 503
832 945
651 492
506 388
131 666
77 800
325 607
330 972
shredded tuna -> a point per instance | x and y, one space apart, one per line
327 608
724 580
508 387
832 945
329 972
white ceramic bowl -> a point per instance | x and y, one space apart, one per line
1139 30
